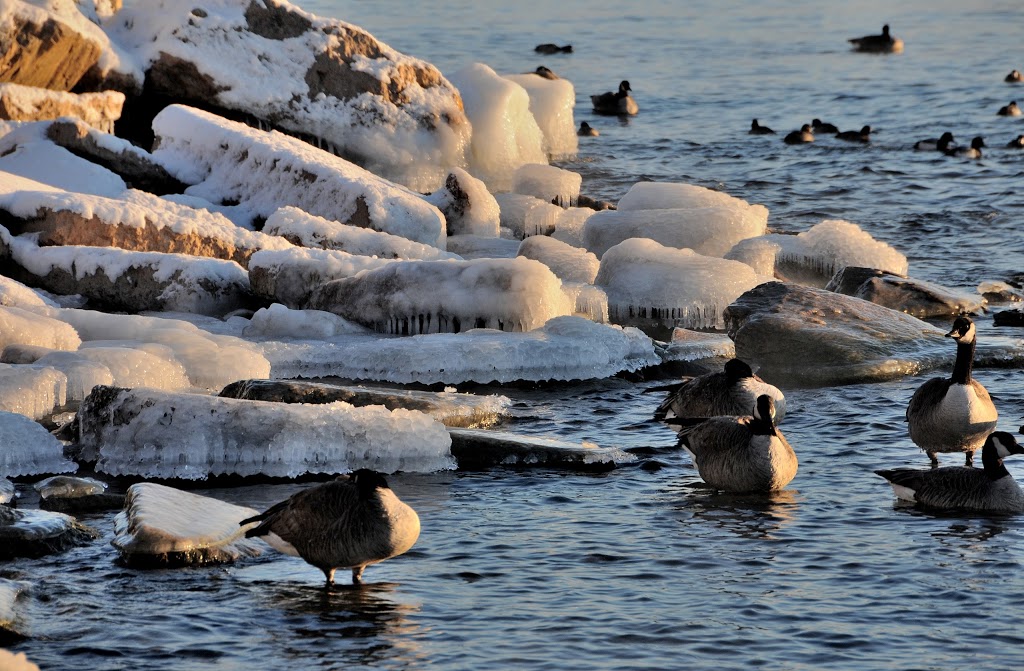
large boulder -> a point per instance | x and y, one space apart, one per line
49 46
918 298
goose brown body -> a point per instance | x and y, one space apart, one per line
732 391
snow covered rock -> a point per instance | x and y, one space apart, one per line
414 297
137 366
49 45
33 391
467 205
266 171
289 276
29 449
448 407
525 215
658 288
548 183
915 297
8 492
35 533
277 321
24 327
551 103
163 526
478 449
568 263
29 103
149 433
471 247
675 196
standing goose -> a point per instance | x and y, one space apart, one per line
732 391
991 488
619 102
350 522
878 44
740 454
953 414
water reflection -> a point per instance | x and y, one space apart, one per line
747 515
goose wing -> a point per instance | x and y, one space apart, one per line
949 487
308 514
701 396
927 397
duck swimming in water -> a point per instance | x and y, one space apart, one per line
974 151
549 48
819 126
1009 110
1017 143
586 130
988 489
758 129
942 143
616 103
1015 77
862 135
350 522
878 44
953 414
800 136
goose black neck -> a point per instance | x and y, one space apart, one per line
762 427
964 362
994 468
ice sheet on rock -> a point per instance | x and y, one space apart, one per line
566 348
815 255
505 132
651 284
14 294
687 345
471 247
289 276
415 297
68 487
82 373
23 327
29 449
134 367
551 103
568 263
32 391
161 525
277 321
711 231
671 195
569 227
309 230
468 207
548 183
479 448
189 436
526 215
590 301
266 171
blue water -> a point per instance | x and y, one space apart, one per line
644 568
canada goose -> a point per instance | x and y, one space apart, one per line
1018 143
953 414
758 129
1014 77
732 391
586 130
991 488
805 134
1013 109
549 48
544 72
740 454
819 126
974 151
862 135
615 103
942 144
878 44
349 522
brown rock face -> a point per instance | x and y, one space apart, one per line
29 103
50 55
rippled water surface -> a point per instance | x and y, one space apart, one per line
643 567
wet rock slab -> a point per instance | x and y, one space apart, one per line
36 533
476 449
918 298
73 495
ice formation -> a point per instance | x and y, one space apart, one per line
505 132
266 171
14 294
478 448
29 449
570 224
416 297
551 102
648 283
527 215
550 184
309 230
189 436
135 367
471 247
33 391
711 231
278 321
674 196
687 345
568 263
468 207
8 492
163 525
23 327
68 487
289 276
82 374
566 348
814 256
590 301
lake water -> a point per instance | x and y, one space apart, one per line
643 567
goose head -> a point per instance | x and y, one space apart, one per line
737 370
367 481
624 88
764 411
1004 444
963 330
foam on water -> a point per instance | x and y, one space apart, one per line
548 183
29 449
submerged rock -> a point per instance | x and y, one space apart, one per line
450 408
917 298
162 526
804 336
67 494
1014 317
36 533
479 449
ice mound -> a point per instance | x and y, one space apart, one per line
548 183
478 448
505 132
568 263
135 367
266 171
165 526
68 487
674 196
590 301
663 287
526 215
277 321
32 391
416 297
814 256
471 247
22 327
468 207
14 294
29 449
551 102
309 230
289 276
687 345
711 231
566 348
127 433
570 224
82 374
